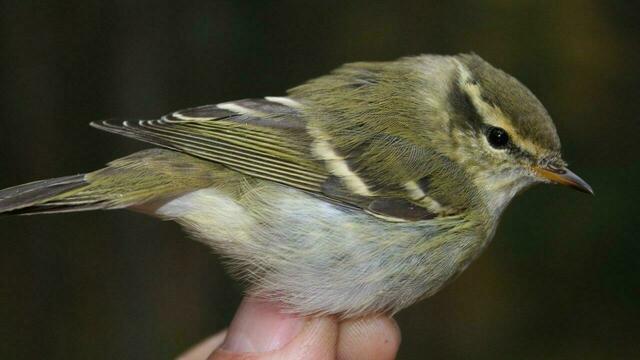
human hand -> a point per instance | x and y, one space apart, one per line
260 331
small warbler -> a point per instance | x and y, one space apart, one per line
361 191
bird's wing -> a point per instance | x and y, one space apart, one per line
269 139
265 138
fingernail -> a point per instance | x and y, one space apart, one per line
260 326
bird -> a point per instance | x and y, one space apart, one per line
361 191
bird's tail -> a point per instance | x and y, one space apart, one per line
40 196
134 180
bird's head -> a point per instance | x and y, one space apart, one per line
501 133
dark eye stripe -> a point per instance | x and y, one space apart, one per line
463 112
511 147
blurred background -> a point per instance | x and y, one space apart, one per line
561 279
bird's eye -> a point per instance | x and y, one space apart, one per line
497 137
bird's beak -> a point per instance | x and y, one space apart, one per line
563 176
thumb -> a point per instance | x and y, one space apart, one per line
261 330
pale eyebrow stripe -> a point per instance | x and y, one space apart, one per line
492 115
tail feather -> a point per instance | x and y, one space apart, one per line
127 182
32 198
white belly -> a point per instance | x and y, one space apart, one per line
322 258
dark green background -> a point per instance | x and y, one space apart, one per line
560 280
